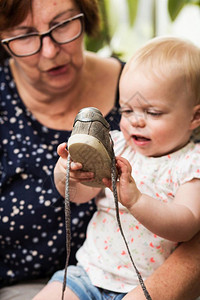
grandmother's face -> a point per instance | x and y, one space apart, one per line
55 67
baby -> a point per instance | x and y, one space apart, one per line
159 170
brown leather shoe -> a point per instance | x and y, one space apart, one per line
91 145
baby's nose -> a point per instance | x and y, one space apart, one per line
138 120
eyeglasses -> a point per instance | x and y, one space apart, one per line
31 43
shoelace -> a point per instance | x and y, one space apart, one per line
68 226
114 187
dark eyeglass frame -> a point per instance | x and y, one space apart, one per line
42 35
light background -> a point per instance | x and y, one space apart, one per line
126 39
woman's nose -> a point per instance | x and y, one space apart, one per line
49 48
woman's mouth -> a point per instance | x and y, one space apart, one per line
59 70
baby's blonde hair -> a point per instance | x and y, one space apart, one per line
172 57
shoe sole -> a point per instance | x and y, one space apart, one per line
91 153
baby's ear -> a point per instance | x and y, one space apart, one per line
196 118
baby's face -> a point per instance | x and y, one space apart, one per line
156 113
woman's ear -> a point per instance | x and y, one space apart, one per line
196 118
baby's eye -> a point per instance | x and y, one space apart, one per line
126 112
154 113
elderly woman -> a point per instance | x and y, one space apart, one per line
46 80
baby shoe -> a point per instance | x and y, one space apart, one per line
91 145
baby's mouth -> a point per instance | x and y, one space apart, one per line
140 138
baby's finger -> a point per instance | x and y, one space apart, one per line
79 176
123 165
74 166
107 182
62 151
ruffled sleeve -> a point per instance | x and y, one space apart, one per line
190 166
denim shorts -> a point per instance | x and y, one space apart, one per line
79 282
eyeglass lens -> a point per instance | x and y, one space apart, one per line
61 34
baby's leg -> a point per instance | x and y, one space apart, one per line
79 286
53 291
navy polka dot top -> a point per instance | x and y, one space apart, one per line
32 234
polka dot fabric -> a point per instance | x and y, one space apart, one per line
32 235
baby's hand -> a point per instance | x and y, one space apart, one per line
76 175
128 192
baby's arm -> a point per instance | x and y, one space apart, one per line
176 221
79 193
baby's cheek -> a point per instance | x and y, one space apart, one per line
124 125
